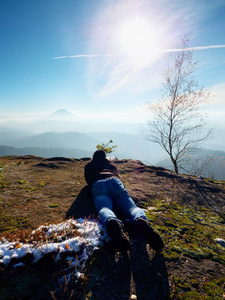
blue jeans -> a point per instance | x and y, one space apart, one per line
110 192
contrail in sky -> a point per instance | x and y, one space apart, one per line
195 48
162 50
85 55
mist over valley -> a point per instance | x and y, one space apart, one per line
63 134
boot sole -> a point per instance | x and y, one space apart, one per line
119 240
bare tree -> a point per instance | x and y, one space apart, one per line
178 117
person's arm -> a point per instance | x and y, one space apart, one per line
113 169
86 172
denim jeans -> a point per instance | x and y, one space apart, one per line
109 193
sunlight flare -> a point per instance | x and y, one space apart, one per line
137 37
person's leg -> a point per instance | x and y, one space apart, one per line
127 206
115 231
104 205
123 201
102 201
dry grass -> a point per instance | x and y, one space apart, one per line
35 195
35 192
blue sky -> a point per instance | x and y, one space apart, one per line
88 56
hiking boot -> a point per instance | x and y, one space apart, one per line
150 236
115 231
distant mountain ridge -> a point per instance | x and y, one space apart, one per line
52 139
45 152
61 114
129 145
78 144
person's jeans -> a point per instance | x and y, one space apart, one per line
110 192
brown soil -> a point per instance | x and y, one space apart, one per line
40 191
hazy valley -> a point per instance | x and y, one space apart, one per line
63 134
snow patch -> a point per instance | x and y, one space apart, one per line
220 241
89 239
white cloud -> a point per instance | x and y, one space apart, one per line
216 109
218 94
132 114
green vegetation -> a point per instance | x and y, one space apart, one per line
215 289
22 181
188 231
31 189
106 147
191 295
3 184
10 223
53 205
212 290
42 184
222 183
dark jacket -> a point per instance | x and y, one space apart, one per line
99 169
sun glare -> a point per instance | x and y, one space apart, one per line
137 37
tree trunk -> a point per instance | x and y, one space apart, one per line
175 166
